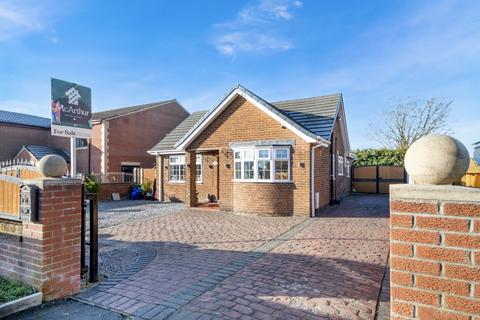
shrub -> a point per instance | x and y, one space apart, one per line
91 184
387 157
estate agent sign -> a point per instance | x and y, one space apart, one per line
71 110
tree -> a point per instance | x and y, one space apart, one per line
409 121
386 157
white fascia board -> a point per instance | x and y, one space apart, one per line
226 102
161 153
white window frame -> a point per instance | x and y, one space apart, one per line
253 154
341 166
198 161
237 160
81 147
179 160
334 165
347 164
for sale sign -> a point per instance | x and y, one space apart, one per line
71 109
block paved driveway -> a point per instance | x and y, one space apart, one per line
200 264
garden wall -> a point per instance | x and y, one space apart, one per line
45 254
435 252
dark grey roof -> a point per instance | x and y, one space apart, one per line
40 151
314 117
317 114
122 111
168 143
22 119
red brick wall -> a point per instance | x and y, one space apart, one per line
176 191
47 255
435 252
242 121
342 183
322 175
19 136
263 198
106 190
131 136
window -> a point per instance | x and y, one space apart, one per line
262 164
281 164
198 165
348 168
238 165
127 172
176 169
340 166
81 143
333 166
248 172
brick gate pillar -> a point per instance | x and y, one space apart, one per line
190 178
435 252
46 253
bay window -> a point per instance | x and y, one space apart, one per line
267 164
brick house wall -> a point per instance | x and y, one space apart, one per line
341 184
18 136
46 254
321 186
435 252
175 191
242 121
127 138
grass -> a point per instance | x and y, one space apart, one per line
12 289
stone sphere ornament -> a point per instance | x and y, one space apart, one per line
52 166
436 159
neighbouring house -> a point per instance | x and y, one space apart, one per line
19 129
33 153
121 137
278 158
119 143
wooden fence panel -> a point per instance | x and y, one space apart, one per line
377 179
10 196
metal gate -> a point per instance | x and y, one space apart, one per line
89 237
377 179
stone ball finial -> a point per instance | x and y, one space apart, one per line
436 159
52 166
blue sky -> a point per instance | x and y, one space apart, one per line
131 52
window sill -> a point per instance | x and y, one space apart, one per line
262 181
182 182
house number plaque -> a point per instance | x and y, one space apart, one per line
28 203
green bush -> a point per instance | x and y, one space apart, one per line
12 290
91 184
146 186
388 157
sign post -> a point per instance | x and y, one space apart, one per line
71 115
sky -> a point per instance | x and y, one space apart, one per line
376 53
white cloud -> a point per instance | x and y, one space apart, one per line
21 17
234 42
254 28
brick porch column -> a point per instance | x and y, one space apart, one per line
435 252
190 178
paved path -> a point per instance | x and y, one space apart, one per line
203 264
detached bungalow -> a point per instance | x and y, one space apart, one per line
253 156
